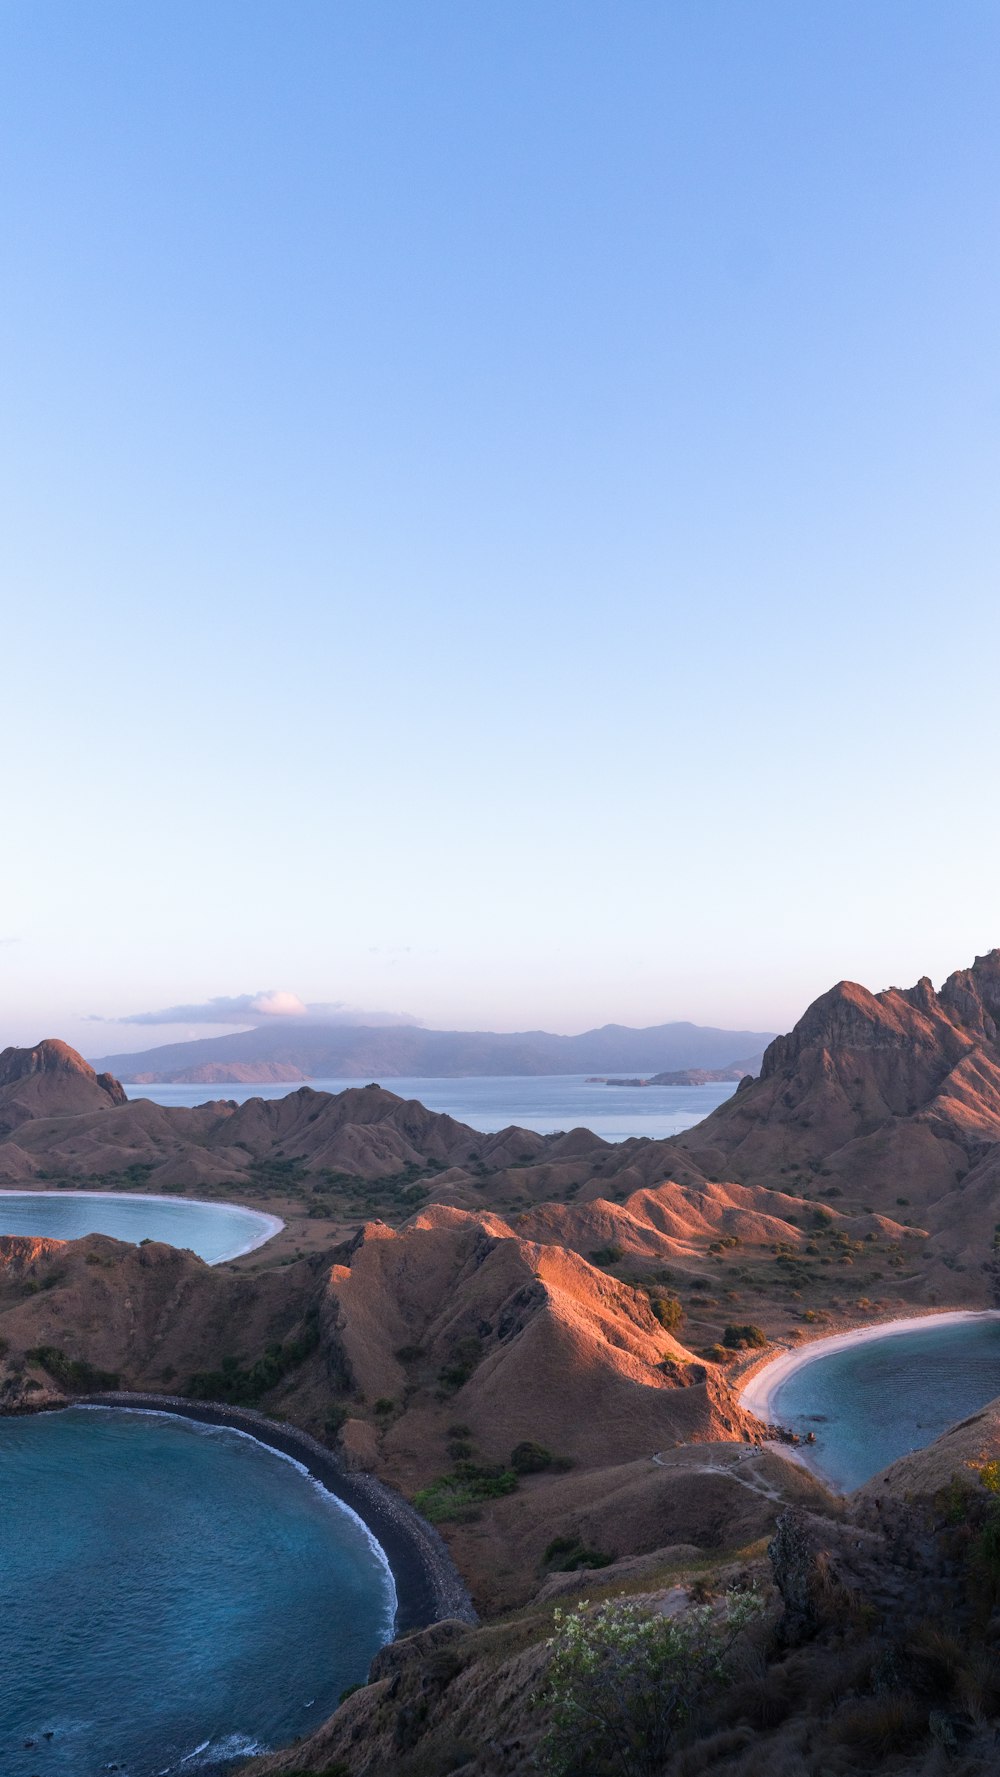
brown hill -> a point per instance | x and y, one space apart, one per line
51 1079
556 1350
58 1108
388 1343
894 1097
328 1163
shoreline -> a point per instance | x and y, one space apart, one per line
756 1396
429 1587
274 1226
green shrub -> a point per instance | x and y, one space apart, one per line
72 1373
466 1355
529 1458
569 1554
242 1386
458 1497
745 1337
668 1312
338 1768
606 1255
621 1681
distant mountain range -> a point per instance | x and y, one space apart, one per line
295 1050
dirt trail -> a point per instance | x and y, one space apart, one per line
735 1467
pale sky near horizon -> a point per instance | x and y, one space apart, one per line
498 506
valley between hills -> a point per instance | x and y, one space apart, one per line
540 1341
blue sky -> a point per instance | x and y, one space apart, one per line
498 506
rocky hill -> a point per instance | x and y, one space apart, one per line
51 1080
890 1098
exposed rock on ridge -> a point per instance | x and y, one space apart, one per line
895 1093
51 1080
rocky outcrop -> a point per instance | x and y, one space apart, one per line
895 1094
51 1080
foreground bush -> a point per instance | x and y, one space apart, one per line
621 1682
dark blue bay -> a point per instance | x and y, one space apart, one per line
171 1595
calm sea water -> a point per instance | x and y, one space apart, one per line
870 1404
215 1231
547 1103
172 1596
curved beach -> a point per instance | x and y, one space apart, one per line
269 1225
429 1587
757 1394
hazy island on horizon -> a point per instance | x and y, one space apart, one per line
290 1050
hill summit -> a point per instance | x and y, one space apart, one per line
51 1080
893 1095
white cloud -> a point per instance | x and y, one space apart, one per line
278 1005
256 1008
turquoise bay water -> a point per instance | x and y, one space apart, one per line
545 1103
215 1231
171 1596
871 1403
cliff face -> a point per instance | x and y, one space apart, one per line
894 1095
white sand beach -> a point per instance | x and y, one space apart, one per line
757 1395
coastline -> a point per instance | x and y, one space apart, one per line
273 1224
760 1386
429 1587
